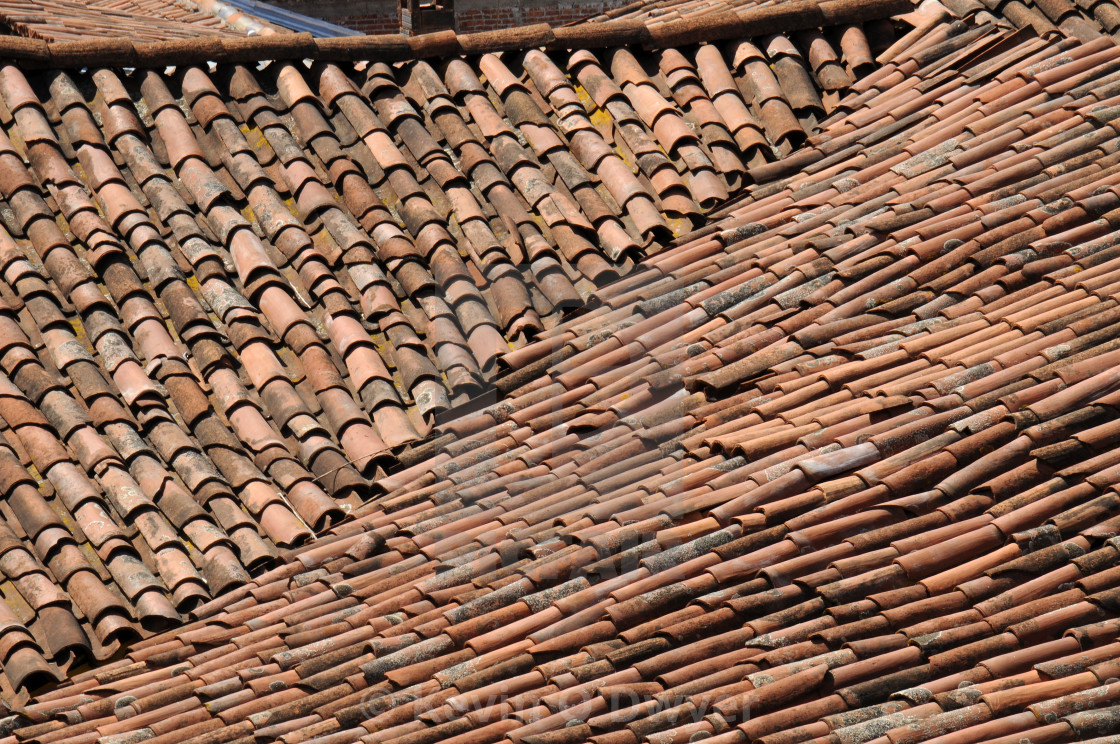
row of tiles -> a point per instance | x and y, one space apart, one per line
1084 20
841 468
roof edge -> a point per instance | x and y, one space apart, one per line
123 52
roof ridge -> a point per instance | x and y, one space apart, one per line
123 52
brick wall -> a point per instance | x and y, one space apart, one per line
488 16
371 23
382 16
367 16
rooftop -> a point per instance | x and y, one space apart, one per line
759 389
145 21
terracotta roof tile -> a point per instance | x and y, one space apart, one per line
136 20
320 412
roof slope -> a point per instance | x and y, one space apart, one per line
1083 19
232 297
839 467
141 20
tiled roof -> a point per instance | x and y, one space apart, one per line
1082 19
839 465
233 296
141 20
